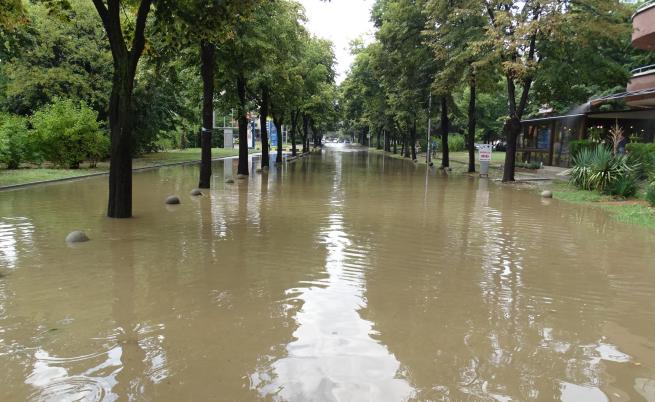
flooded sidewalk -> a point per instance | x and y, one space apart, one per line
343 276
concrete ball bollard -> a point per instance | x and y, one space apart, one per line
172 200
77 237
196 192
547 194
229 181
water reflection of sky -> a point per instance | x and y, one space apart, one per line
107 374
333 356
13 231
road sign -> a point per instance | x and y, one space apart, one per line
484 151
272 133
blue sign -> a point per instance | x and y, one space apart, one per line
272 133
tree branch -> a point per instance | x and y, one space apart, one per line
139 41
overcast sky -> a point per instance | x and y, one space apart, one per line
340 21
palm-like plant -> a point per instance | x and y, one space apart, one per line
597 169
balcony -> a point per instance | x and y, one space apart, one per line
643 27
641 88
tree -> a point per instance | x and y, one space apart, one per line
525 36
46 64
120 102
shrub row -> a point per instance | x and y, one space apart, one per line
643 156
64 133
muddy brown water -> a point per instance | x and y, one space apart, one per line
341 277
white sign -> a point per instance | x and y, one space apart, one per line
228 138
251 135
485 152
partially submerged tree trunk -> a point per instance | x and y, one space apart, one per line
445 126
208 62
243 126
120 102
263 115
413 139
471 125
277 120
305 133
294 127
512 130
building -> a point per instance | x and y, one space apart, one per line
546 139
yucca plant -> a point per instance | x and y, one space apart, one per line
625 186
598 168
605 168
581 169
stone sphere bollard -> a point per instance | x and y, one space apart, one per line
547 194
229 181
77 237
196 192
172 200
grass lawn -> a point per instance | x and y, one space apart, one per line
31 175
634 211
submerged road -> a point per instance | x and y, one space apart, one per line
344 276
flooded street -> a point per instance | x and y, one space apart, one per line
341 277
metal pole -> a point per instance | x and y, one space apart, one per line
427 154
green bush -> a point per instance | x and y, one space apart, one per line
578 145
456 143
642 156
624 186
69 133
15 144
650 194
598 169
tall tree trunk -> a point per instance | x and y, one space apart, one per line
263 115
512 130
208 62
243 126
378 145
120 168
277 120
413 132
305 133
120 103
472 122
294 126
406 145
445 126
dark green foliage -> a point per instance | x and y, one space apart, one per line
650 194
15 144
68 133
625 186
643 156
576 146
456 143
60 53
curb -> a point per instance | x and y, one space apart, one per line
86 176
